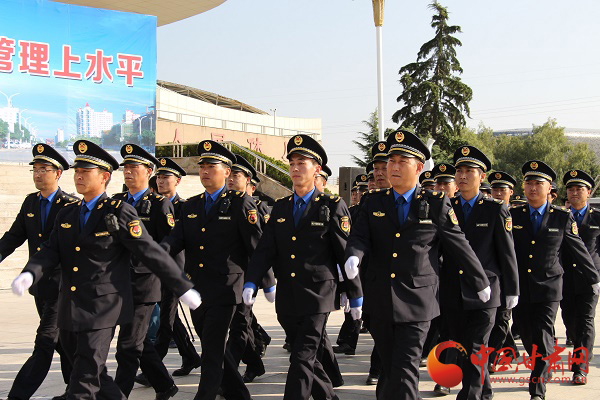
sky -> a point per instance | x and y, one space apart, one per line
51 103
526 60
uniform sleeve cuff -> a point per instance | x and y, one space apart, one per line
250 285
266 290
356 302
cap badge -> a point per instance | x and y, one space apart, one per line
363 178
442 168
207 146
498 175
129 149
82 147
381 146
298 140
533 165
40 148
465 151
163 162
427 174
399 137
573 173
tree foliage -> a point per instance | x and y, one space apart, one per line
435 100
368 139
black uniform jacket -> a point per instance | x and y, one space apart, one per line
28 226
304 258
157 214
540 272
489 232
95 264
218 245
401 280
573 279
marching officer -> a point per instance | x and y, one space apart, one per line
401 229
579 301
502 185
427 181
218 230
168 176
370 177
380 159
34 224
303 243
443 174
156 212
541 230
487 225
322 177
93 240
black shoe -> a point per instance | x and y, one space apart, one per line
364 330
142 380
423 362
569 342
288 347
579 378
441 390
61 397
172 344
185 369
372 379
537 398
262 350
343 348
337 383
167 394
491 369
249 376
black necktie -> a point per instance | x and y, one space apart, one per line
535 221
131 200
466 210
82 213
43 205
400 208
298 210
208 204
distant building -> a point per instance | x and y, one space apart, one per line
60 135
91 123
130 116
10 115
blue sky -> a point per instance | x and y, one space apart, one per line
51 102
525 60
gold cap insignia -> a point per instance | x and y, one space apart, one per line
465 151
498 175
207 146
533 165
363 178
573 173
381 146
163 162
442 168
40 148
82 147
129 149
298 140
399 137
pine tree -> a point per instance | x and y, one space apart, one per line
368 139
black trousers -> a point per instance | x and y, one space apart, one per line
375 367
134 345
87 352
257 341
472 329
241 338
306 375
218 368
171 327
329 362
578 311
433 336
400 347
349 331
536 326
501 335
34 371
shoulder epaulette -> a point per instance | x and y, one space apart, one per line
182 199
284 197
198 196
114 203
378 191
156 196
332 197
119 194
235 193
565 210
492 200
436 194
258 201
594 209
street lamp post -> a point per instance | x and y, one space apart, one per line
378 6
274 110
140 119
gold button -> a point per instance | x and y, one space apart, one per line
531 256
574 265
39 234
203 229
39 248
201 247
460 271
293 274
292 256
77 248
395 255
533 242
397 235
75 269
528 270
393 275
73 288
293 237
201 265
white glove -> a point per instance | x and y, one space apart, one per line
22 283
344 302
356 312
248 296
341 276
191 298
270 296
485 294
596 288
351 267
511 302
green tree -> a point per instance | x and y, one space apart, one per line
435 100
368 139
